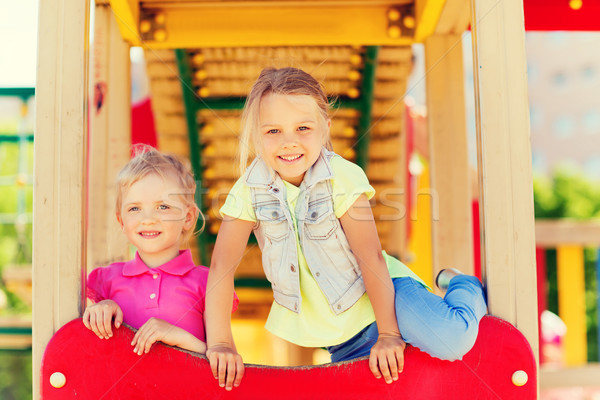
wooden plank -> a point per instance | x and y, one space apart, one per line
127 15
59 170
455 18
109 138
504 161
571 302
428 15
215 24
583 376
452 238
552 233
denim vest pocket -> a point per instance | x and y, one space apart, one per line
273 221
320 221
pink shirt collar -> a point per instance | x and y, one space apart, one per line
180 265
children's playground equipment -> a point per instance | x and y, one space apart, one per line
367 44
170 373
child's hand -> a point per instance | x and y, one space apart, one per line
154 330
227 365
387 357
98 318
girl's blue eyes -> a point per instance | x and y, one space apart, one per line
300 128
160 207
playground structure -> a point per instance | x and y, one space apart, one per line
74 168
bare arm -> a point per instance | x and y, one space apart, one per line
156 329
387 355
225 362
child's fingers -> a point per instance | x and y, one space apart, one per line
100 323
107 323
222 368
373 366
86 319
139 340
393 366
94 324
213 359
239 372
118 317
231 373
384 367
150 340
145 338
400 360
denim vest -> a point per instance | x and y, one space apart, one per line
321 237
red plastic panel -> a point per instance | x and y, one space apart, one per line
557 15
108 369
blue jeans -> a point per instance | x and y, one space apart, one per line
445 328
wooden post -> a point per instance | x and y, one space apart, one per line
452 235
59 170
504 159
109 139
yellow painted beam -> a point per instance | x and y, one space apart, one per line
218 25
428 16
127 14
571 302
420 242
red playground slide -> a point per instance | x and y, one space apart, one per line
78 365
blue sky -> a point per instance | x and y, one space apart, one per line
18 42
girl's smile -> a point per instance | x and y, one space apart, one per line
292 134
291 158
154 217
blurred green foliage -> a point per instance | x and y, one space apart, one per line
15 375
16 196
569 194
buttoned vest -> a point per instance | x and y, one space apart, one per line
321 238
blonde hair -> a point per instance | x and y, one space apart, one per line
147 160
285 81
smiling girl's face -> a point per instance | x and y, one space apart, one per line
154 217
292 134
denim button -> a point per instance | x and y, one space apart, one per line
314 214
292 268
275 190
318 274
275 214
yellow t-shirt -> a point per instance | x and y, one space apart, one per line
316 325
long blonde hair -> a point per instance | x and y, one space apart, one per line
285 81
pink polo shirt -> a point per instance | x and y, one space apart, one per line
174 291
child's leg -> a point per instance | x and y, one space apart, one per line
444 328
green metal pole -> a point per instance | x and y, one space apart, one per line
366 106
191 109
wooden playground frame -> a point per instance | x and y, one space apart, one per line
62 188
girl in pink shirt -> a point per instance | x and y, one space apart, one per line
161 291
